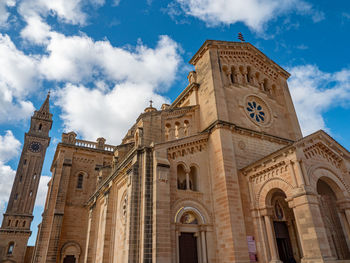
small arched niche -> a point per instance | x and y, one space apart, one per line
249 74
186 128
167 131
177 130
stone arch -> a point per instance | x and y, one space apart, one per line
328 175
189 205
269 187
70 248
190 220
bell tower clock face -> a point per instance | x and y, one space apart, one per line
35 147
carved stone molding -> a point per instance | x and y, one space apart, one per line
187 148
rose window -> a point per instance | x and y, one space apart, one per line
256 111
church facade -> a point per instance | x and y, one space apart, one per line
223 174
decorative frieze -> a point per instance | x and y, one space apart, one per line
321 151
187 148
275 170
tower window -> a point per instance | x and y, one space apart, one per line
16 225
20 178
25 161
10 249
31 193
24 224
34 176
40 126
16 196
9 223
80 181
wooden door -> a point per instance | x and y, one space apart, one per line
188 248
69 259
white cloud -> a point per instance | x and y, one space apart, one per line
36 30
314 92
68 11
80 59
18 78
9 149
4 14
93 113
35 13
42 191
138 75
7 175
254 13
10 146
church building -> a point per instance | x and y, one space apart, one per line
221 175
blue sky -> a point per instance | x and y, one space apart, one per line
109 58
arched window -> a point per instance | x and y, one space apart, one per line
24 224
40 127
80 181
9 223
10 248
16 225
193 179
34 176
181 177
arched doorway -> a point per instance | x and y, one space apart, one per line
69 259
285 245
70 252
188 248
332 221
191 236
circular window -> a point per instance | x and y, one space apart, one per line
257 110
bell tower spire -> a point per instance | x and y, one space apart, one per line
15 228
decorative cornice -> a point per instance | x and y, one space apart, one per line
237 129
184 146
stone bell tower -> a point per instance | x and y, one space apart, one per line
15 229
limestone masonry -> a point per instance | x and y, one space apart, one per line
223 175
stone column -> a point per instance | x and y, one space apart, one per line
204 246
177 236
311 229
272 240
187 181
